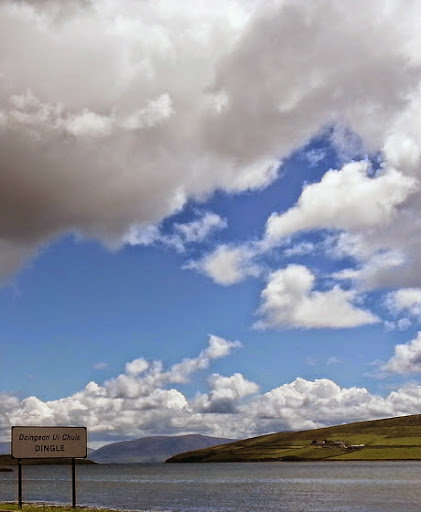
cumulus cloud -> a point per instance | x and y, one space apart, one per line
304 404
227 265
345 199
405 307
141 400
137 366
218 347
406 300
225 393
406 359
232 408
144 400
141 377
290 300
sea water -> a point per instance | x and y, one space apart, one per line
246 487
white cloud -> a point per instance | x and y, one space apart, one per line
225 393
345 199
195 231
406 359
141 377
198 230
139 401
141 235
304 404
218 347
332 360
405 306
401 325
315 156
227 265
289 300
406 300
300 249
348 144
137 366
377 267
89 124
101 365
156 111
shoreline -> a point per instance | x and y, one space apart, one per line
11 468
43 506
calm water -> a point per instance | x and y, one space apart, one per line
284 487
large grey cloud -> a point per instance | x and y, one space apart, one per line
102 112
113 114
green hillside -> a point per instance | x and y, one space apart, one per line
388 439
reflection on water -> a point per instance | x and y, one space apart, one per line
261 487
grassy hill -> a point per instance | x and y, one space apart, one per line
388 439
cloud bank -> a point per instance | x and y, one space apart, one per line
145 400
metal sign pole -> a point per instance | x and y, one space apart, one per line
20 484
73 483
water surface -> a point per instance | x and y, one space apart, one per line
246 487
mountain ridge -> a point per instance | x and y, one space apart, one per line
153 448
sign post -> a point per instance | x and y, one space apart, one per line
74 483
49 442
20 484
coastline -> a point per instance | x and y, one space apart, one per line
48 507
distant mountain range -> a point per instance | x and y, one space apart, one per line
153 449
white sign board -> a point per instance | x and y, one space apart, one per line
49 442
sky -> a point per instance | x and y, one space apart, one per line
209 215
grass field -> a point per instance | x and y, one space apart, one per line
389 439
47 508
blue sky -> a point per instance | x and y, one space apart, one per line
215 231
79 304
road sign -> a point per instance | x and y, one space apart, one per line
49 442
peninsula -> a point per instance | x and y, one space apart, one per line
388 439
